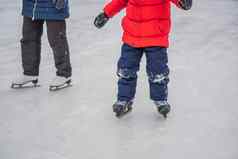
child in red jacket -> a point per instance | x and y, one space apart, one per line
146 29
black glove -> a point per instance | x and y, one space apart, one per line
101 20
186 4
59 4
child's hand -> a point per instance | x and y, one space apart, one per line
185 4
101 20
59 4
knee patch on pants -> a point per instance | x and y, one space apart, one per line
159 78
126 74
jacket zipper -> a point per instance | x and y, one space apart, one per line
34 10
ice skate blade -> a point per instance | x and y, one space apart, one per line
165 116
57 88
23 86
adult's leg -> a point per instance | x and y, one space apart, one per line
56 31
31 45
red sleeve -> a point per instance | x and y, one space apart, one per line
114 7
176 2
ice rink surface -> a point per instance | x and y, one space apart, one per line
78 123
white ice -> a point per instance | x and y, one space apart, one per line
78 123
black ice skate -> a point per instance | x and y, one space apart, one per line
163 107
121 108
25 82
60 83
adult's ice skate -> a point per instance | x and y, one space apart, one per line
25 82
59 83
163 107
121 108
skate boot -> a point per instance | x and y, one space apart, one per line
25 82
59 83
121 108
163 107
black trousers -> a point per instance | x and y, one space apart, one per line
31 46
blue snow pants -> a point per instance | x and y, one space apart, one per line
156 68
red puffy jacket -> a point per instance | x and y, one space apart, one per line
147 22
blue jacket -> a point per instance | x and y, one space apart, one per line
44 10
